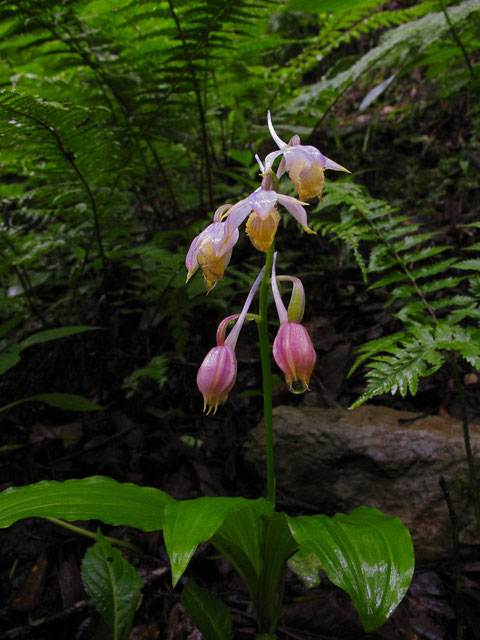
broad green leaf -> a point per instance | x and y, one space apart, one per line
8 360
53 334
113 584
95 498
239 539
277 546
67 401
189 522
210 615
366 553
7 326
258 545
306 565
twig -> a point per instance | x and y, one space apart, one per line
466 438
201 111
456 558
456 37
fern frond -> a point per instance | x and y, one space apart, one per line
156 369
396 363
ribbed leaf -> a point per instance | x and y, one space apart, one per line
366 553
189 522
209 614
53 334
95 498
113 584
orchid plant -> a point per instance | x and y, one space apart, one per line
366 553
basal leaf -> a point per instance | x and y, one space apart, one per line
113 584
366 553
278 545
53 334
67 401
97 498
8 360
306 565
190 522
239 538
210 615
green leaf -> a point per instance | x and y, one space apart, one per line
113 584
190 522
8 360
277 546
67 401
53 334
239 538
306 565
95 498
210 615
258 546
366 553
327 6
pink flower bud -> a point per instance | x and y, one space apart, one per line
216 376
294 353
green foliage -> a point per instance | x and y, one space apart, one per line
354 550
189 522
156 370
210 615
66 401
366 553
96 498
11 356
429 298
113 584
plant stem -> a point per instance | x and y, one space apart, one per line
456 37
466 438
91 534
266 373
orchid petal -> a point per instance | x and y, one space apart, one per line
260 163
270 159
234 333
281 310
330 164
222 328
296 306
294 207
237 214
262 202
220 211
279 142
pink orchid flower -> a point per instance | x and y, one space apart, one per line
304 164
263 219
211 250
218 371
292 348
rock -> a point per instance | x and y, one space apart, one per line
392 460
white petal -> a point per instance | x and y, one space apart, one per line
279 142
294 207
330 164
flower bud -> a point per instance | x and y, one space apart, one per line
294 354
216 376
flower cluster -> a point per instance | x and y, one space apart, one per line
212 249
